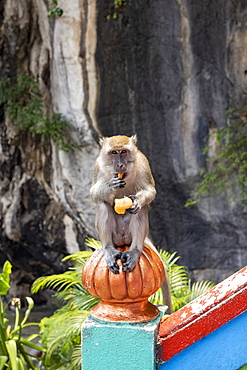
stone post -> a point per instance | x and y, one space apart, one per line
121 331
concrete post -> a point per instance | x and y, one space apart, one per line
119 345
121 331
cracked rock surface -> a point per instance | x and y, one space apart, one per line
164 70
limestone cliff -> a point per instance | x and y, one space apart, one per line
164 70
46 212
168 71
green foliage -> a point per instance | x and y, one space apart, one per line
227 172
13 346
182 289
61 335
117 8
23 104
244 367
4 278
55 10
61 332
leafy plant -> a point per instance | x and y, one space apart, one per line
13 352
61 333
227 172
117 8
55 9
244 367
182 289
23 104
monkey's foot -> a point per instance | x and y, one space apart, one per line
111 256
129 259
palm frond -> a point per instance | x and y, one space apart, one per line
182 291
76 359
64 320
63 348
198 288
177 303
83 301
65 295
177 277
172 268
61 333
79 257
56 282
168 259
93 243
157 297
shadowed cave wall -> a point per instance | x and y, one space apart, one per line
167 71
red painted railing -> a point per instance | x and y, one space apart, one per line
203 315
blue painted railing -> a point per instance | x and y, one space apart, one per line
209 333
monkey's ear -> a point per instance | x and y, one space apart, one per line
134 138
101 141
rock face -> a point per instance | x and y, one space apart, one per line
46 212
164 70
168 71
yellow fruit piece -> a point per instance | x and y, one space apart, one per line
120 175
122 204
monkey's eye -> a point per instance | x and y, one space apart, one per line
123 151
114 152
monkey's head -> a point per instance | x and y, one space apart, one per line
118 153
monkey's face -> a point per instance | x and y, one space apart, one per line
119 153
119 160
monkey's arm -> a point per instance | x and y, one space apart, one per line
101 192
145 185
104 187
145 196
142 198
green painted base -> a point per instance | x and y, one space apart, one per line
119 345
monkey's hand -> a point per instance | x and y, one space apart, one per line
129 259
117 183
111 256
135 208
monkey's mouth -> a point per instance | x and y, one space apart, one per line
121 175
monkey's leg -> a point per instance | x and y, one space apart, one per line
106 226
138 229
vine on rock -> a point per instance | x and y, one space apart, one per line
23 104
118 6
227 172
55 10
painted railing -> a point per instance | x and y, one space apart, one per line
210 332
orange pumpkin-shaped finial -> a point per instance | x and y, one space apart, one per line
124 297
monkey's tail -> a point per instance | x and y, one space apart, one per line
165 287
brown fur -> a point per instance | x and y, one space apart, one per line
131 228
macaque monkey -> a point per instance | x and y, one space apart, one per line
119 154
